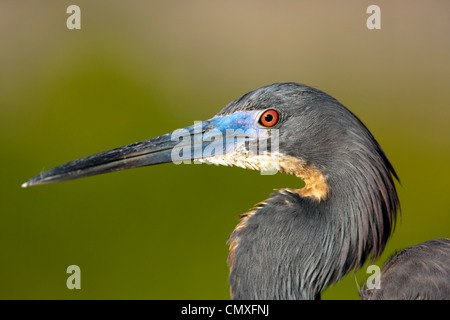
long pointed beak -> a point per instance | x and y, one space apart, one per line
145 153
204 141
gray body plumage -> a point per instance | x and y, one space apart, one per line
421 272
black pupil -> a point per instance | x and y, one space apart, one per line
268 117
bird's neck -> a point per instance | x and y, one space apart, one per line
280 251
292 246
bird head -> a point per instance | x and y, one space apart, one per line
286 127
274 128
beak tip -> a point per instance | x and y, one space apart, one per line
28 183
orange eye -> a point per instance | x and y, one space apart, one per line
269 118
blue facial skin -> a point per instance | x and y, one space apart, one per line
218 136
245 120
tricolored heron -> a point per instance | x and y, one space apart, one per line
299 241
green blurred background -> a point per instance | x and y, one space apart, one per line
138 69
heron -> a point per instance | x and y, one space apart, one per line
298 242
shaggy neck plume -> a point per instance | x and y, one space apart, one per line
294 244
